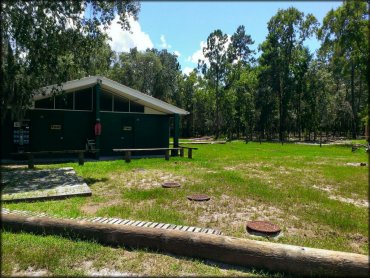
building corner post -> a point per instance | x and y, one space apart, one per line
97 89
176 132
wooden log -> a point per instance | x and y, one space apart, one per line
31 162
127 156
274 257
81 160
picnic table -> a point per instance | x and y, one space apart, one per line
128 152
31 155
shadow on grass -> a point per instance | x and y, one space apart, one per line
91 181
23 181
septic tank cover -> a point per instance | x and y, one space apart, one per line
170 184
263 227
198 197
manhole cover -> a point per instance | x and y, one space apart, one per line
362 164
263 228
170 184
198 197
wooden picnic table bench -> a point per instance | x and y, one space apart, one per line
127 152
358 146
31 155
190 151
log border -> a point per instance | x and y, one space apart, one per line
269 256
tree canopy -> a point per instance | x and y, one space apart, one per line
282 91
47 42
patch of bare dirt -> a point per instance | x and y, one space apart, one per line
88 268
229 214
92 208
300 232
356 164
326 188
145 179
357 203
330 190
30 272
358 241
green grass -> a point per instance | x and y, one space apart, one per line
291 185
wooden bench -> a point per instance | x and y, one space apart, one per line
127 152
31 155
190 151
358 146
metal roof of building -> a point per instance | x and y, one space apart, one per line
115 88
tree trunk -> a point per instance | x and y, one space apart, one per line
280 115
299 113
354 119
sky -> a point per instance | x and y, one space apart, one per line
183 27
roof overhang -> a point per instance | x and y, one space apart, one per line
115 88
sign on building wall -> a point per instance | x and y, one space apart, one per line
55 127
21 133
127 128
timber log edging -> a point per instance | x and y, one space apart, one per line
119 221
274 257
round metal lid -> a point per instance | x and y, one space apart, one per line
198 197
263 227
170 185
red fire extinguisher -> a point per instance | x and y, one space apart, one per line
97 127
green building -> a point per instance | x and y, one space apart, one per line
128 119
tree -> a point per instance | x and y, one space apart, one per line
40 39
225 58
214 69
152 72
287 31
343 44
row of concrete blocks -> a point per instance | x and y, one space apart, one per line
119 221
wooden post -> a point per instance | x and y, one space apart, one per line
167 155
182 152
190 153
97 90
31 163
127 156
276 257
176 132
81 160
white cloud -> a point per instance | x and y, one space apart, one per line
187 70
197 55
164 44
123 41
177 53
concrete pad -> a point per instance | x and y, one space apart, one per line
32 185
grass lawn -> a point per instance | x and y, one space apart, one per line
317 196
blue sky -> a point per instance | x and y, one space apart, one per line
180 27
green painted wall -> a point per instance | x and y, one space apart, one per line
131 130
147 131
76 127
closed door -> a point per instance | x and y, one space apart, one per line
127 132
56 135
